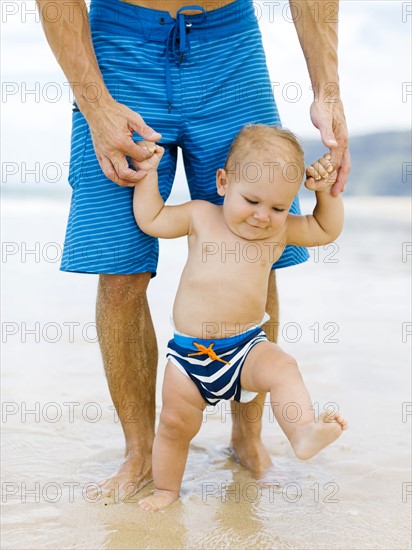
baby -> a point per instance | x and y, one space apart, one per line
219 350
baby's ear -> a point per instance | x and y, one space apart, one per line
221 182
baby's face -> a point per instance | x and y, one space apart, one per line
258 195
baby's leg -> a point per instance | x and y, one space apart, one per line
180 420
268 368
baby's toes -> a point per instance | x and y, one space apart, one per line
329 416
145 505
344 423
340 420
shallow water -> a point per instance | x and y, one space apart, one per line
347 323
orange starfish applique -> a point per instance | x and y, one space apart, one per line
208 351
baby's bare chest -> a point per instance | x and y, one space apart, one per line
247 255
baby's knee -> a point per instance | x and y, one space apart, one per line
174 426
286 362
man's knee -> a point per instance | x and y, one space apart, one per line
119 289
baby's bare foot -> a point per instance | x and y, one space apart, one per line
158 501
313 437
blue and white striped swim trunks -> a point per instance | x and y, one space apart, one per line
215 366
197 79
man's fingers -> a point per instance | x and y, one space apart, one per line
112 134
146 132
337 155
124 172
108 169
330 120
326 133
331 138
119 172
343 174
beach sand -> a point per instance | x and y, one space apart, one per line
345 316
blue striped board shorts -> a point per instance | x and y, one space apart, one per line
196 79
215 366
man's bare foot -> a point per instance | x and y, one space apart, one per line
132 476
246 443
252 454
158 501
311 438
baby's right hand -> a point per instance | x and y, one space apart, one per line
150 164
324 170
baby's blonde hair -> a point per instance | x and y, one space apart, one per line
254 138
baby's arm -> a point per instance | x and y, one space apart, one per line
150 212
326 222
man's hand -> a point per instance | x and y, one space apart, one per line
329 118
323 172
112 129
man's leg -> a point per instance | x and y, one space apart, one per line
129 350
246 441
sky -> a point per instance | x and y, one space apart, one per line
374 68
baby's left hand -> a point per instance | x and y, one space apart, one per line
320 170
